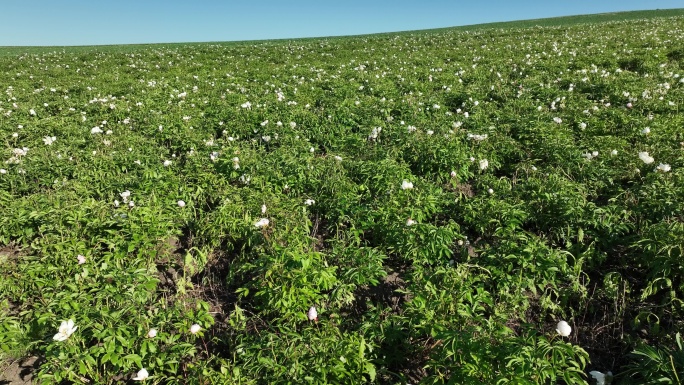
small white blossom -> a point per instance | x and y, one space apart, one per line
484 163
410 222
167 163
263 222
181 203
48 140
142 375
309 202
601 377
195 328
81 259
152 333
406 185
664 167
563 328
263 209
66 329
613 153
96 130
312 314
645 157
125 195
646 130
477 137
558 120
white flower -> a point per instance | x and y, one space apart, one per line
141 375
477 137
3 171
125 195
338 158
309 202
116 203
613 153
66 329
263 222
558 120
484 163
48 140
453 174
19 152
167 163
646 130
601 377
563 328
152 333
583 125
181 203
195 328
663 167
263 209
311 150
131 204
312 314
430 132
96 130
410 222
406 185
645 157
32 112
81 259
246 105
490 191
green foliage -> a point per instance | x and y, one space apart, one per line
652 365
439 200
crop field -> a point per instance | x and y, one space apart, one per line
458 206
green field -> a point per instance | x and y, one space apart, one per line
491 204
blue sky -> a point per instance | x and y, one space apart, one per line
86 22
